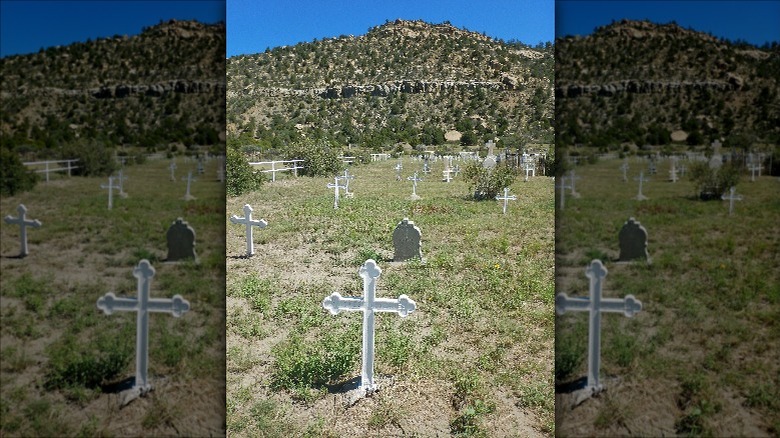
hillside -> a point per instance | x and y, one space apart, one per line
165 85
636 82
407 81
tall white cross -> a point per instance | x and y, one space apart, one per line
23 223
595 304
347 177
507 197
368 304
176 306
731 198
624 168
190 179
641 178
563 186
414 179
110 188
247 220
335 185
173 168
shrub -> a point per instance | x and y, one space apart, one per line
487 183
239 175
14 176
712 183
95 158
319 157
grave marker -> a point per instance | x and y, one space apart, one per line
190 179
173 169
247 220
595 304
506 197
121 178
563 186
110 188
368 304
624 168
573 178
181 241
641 178
407 241
23 223
414 179
347 177
731 198
336 186
398 168
633 241
142 304
753 168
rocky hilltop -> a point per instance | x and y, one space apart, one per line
635 82
403 81
164 86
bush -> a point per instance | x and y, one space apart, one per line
240 178
487 183
712 183
319 157
95 158
14 176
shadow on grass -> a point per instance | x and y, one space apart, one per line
569 387
117 387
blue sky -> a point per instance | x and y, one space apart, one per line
756 22
26 26
254 25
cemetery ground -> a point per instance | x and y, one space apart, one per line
62 356
701 358
474 359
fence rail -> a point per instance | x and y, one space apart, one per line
274 169
47 166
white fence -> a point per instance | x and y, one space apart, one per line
47 166
294 167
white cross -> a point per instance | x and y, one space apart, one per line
347 177
563 186
507 197
673 170
190 179
121 178
414 179
573 179
628 306
398 167
110 188
173 168
731 198
23 223
247 219
335 185
624 168
753 168
529 167
641 178
447 174
176 306
368 304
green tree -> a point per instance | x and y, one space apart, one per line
239 175
320 158
14 176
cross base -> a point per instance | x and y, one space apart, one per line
188 197
353 392
415 198
641 197
128 395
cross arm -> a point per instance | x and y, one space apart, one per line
109 303
177 306
629 305
564 302
403 305
335 303
237 220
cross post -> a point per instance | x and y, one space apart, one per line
190 179
142 304
23 223
506 197
110 188
369 304
595 304
641 178
414 179
247 220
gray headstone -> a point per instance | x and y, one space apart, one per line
407 241
181 241
633 241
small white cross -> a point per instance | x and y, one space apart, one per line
414 179
753 168
529 167
346 177
368 304
110 188
398 168
176 306
173 168
624 168
247 220
335 185
641 178
595 304
563 186
507 197
731 198
121 178
190 179
573 178
23 223
447 174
